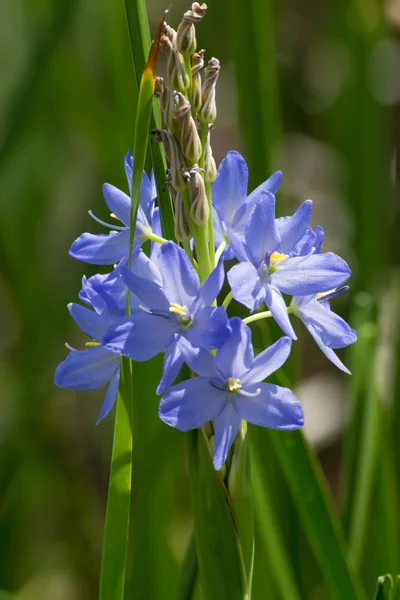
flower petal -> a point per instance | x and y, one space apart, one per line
329 353
180 280
141 336
210 288
118 202
173 361
229 190
274 406
262 237
99 249
149 292
109 398
332 329
317 273
269 361
191 403
292 229
247 286
278 308
198 359
210 328
87 369
226 428
236 355
90 322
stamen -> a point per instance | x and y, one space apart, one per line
92 344
251 394
325 296
234 384
178 309
276 258
106 224
70 347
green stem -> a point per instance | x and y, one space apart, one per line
156 238
263 315
189 570
211 226
200 238
220 250
227 300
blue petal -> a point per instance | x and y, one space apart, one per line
247 286
147 195
173 361
89 294
101 249
226 428
268 361
109 398
332 329
235 357
229 190
269 406
317 273
90 322
181 282
141 336
277 306
210 289
128 165
199 360
87 369
210 328
262 236
292 229
191 403
149 292
271 185
329 353
145 267
118 202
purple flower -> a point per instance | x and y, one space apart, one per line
270 268
327 328
174 306
94 367
229 389
231 203
100 249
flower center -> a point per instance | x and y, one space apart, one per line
181 312
234 385
275 259
92 344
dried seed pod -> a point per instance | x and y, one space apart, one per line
176 71
197 65
181 229
210 168
186 34
199 210
174 157
190 139
208 111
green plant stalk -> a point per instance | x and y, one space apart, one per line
116 528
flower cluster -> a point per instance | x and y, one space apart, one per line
174 289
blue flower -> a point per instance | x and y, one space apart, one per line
231 203
228 390
270 266
174 305
100 249
93 368
326 327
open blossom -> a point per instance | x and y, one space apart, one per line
173 305
94 367
228 389
326 327
231 203
268 267
108 249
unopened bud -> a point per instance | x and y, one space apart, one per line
186 35
174 157
170 33
197 65
176 71
210 168
181 229
190 139
208 112
199 210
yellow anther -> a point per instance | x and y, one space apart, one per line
92 344
178 309
322 294
234 384
277 257
114 216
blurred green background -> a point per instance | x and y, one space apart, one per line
312 88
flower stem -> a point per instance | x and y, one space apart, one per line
211 226
227 300
156 238
263 315
220 250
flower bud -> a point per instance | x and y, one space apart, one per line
186 35
159 88
176 71
181 229
197 65
170 33
210 167
208 111
190 139
199 210
174 157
